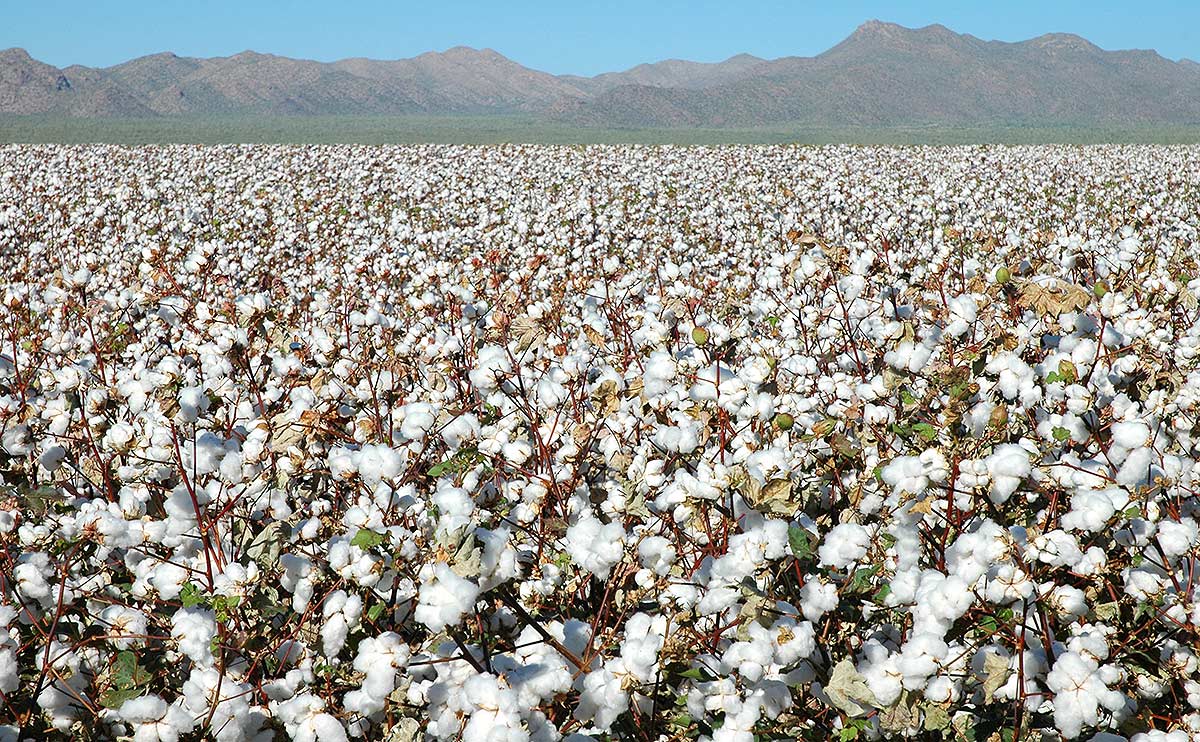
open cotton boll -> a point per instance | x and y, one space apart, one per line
492 366
380 659
464 427
1091 510
1081 689
909 356
418 419
845 544
906 475
194 629
601 699
595 546
656 554
1176 538
126 626
1130 434
1008 466
154 720
718 383
342 614
305 720
963 312
444 597
818 598
1139 468
1159 735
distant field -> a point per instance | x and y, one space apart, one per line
497 130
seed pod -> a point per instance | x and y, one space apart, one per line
999 417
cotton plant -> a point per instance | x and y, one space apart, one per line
539 443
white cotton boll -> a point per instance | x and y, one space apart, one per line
193 402
602 699
379 658
455 507
906 475
1130 434
1176 538
1157 735
155 720
1080 690
1008 465
492 366
818 598
342 614
963 312
909 356
194 629
919 658
717 383
793 641
1056 548
126 626
595 546
419 418
1069 602
320 728
444 598
1091 510
942 689
844 545
17 440
656 554
461 429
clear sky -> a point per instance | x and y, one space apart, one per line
563 36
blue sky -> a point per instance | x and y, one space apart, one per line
568 36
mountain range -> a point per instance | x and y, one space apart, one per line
882 74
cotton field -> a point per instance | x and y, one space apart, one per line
537 443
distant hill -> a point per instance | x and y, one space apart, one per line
881 75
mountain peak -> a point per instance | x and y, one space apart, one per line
876 33
1063 42
15 54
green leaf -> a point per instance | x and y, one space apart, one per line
881 594
113 698
692 673
127 673
925 430
907 398
989 625
861 580
191 595
1054 376
124 669
772 320
438 470
375 611
1061 434
848 733
366 539
1132 512
799 542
